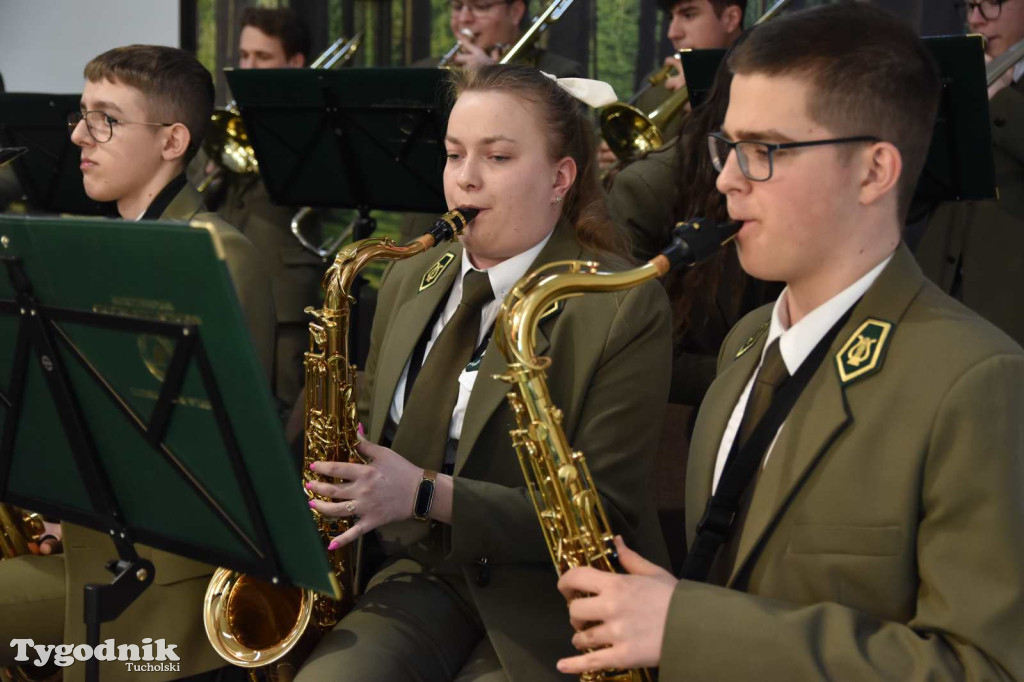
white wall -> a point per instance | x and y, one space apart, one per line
45 44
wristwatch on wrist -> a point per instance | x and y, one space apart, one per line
424 496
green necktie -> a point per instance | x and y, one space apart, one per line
422 435
769 378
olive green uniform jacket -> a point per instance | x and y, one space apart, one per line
170 608
295 272
610 357
642 200
885 536
974 250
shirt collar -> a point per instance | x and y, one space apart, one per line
505 274
797 342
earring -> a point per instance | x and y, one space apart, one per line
559 198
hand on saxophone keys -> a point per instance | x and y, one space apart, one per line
373 494
619 617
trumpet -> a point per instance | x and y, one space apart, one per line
572 517
227 142
631 132
449 56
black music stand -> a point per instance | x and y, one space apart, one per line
49 173
960 165
354 138
119 376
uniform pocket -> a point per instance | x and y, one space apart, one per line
855 540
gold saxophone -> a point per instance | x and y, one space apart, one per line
20 533
250 622
568 506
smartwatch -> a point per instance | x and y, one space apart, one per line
424 496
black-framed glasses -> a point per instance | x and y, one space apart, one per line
100 124
756 159
990 9
475 8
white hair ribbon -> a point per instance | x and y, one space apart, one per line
593 93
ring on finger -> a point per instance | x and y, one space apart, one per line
350 507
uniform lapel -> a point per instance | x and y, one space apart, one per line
403 333
823 411
715 411
488 392
184 206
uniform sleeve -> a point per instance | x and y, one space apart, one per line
617 429
252 285
969 620
640 201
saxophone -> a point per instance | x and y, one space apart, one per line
572 518
250 622
20 533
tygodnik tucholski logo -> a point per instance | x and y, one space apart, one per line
63 655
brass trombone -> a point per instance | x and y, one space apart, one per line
630 132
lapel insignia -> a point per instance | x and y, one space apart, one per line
864 351
435 270
749 343
552 309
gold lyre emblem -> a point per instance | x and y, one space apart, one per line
435 271
860 352
864 351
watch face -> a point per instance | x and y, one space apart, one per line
424 496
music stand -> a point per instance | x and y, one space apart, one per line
959 165
131 382
49 174
354 138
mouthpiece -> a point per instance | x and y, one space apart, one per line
695 241
452 223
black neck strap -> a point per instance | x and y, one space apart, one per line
715 527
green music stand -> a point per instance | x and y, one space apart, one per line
132 402
959 165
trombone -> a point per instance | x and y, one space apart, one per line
1004 62
631 132
552 13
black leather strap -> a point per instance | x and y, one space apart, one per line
716 525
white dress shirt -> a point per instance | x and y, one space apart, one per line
795 343
503 277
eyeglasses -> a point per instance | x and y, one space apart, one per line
100 124
990 9
756 159
475 8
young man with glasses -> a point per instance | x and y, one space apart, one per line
144 111
854 481
495 26
972 249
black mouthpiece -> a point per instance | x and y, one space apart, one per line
695 241
452 223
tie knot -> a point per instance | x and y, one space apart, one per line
773 368
476 289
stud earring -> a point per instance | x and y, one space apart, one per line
558 199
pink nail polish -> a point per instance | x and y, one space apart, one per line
312 504
312 466
360 429
309 486
333 545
